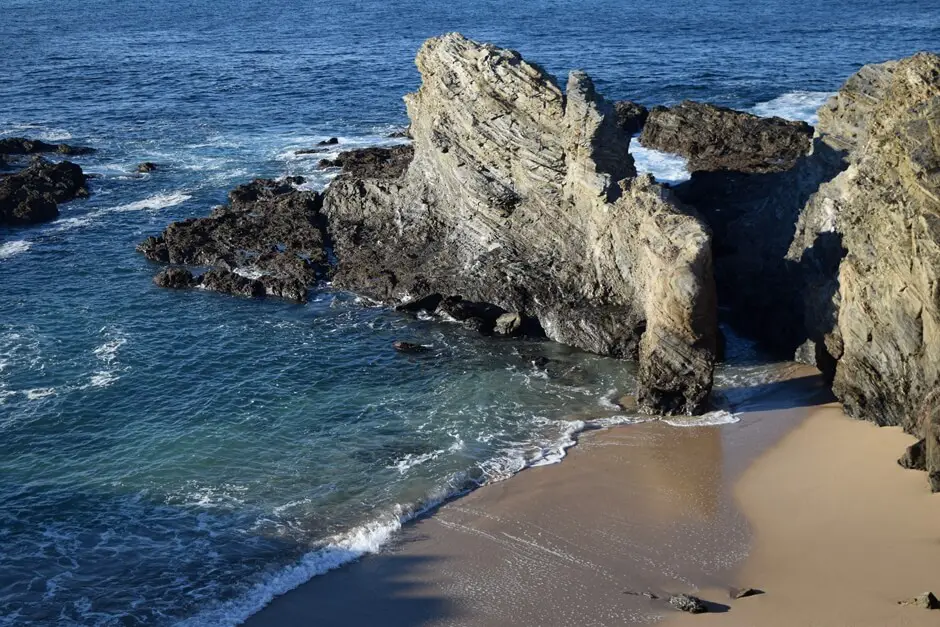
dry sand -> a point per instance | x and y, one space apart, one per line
838 533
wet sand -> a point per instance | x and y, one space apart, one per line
635 509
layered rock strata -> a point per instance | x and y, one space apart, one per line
524 198
269 240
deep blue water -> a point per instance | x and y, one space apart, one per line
169 456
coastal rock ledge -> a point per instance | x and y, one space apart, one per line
524 197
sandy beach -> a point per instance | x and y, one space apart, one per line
796 499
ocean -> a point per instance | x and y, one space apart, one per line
181 457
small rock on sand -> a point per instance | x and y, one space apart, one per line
688 603
926 601
745 592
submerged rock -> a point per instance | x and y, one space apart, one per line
715 138
332 141
146 166
409 347
688 603
269 229
33 194
525 198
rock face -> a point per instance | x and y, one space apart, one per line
373 162
878 314
631 116
523 197
717 139
32 195
271 233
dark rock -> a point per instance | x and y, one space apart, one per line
227 282
329 142
631 116
427 304
23 146
743 593
175 278
915 457
269 228
146 166
310 151
688 603
925 601
716 138
32 195
373 162
409 347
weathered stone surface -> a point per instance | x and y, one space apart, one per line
32 195
269 230
525 198
716 138
174 278
373 162
631 116
879 315
24 146
930 428
915 457
688 603
925 601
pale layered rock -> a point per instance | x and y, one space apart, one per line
525 197
881 323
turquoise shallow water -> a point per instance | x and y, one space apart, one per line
172 457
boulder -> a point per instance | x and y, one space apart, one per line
175 278
23 146
269 230
33 194
715 138
688 603
915 457
332 141
523 196
146 166
631 116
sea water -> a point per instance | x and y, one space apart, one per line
174 457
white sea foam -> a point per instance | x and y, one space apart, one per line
37 131
796 105
712 418
665 167
411 460
11 249
152 203
38 393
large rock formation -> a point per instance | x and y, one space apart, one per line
270 232
716 139
879 316
24 146
33 194
523 197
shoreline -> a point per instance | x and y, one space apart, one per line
632 509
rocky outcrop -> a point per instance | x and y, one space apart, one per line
23 146
719 139
269 240
375 162
33 194
631 116
877 314
523 197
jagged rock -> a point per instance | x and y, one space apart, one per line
23 146
716 138
688 603
227 282
631 116
32 195
175 278
509 323
525 198
877 312
373 162
915 457
930 427
925 601
146 166
269 229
